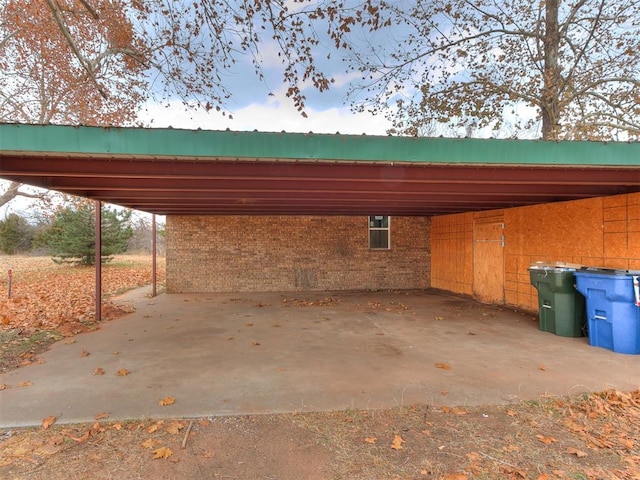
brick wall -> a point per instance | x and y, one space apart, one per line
237 253
595 232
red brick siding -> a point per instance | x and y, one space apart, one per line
237 253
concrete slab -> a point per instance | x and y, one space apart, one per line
228 354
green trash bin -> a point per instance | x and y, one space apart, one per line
561 307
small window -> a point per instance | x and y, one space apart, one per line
379 232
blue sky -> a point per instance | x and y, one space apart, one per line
263 105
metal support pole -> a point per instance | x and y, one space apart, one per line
153 253
98 259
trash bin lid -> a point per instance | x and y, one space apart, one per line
556 266
608 271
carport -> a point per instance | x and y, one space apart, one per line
283 351
183 173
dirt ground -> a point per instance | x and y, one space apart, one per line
595 436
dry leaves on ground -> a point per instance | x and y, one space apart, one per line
595 437
46 296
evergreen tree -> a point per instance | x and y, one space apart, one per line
16 234
71 236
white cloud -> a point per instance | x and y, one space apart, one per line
274 115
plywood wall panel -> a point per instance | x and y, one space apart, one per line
453 268
602 232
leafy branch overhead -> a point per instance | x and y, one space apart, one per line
551 68
470 65
166 48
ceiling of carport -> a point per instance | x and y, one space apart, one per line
185 172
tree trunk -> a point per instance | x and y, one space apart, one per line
11 193
551 89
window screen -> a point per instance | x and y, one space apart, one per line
379 232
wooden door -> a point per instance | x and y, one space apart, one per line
488 260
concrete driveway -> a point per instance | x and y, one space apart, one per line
247 353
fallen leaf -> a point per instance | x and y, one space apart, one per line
444 392
456 476
98 371
512 413
97 428
101 416
397 442
84 353
167 401
543 476
546 440
117 426
542 367
204 423
248 324
162 452
4 386
371 440
445 409
174 428
256 344
150 443
576 452
460 411
426 432
627 443
70 341
155 427
81 439
438 318
123 372
230 338
47 422
28 383
443 366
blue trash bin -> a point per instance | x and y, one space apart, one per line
613 319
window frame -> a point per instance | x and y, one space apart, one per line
372 218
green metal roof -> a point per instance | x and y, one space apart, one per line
185 172
175 143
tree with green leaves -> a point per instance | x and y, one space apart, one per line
71 235
16 234
575 64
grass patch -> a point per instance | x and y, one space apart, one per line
17 349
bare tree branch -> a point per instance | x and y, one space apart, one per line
13 191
